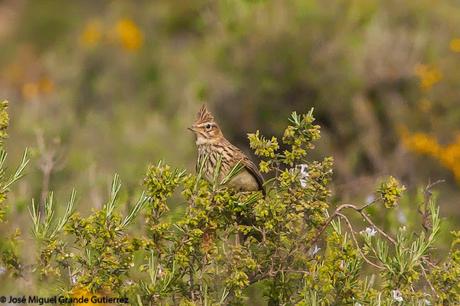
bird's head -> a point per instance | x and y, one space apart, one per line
205 127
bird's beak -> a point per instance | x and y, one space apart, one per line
192 128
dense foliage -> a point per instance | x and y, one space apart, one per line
293 245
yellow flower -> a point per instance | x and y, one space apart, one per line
46 85
455 45
428 76
91 34
421 143
450 157
129 35
424 144
30 90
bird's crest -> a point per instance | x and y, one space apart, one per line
204 115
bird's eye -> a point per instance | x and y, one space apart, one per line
208 127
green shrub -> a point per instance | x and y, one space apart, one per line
293 244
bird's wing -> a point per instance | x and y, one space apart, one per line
248 164
251 167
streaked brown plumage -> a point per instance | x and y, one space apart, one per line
211 143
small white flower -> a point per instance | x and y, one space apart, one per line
314 250
426 302
358 304
160 271
303 183
74 279
369 231
402 217
303 170
370 198
397 296
303 174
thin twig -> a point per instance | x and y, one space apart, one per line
423 209
360 210
356 242
378 229
428 281
51 159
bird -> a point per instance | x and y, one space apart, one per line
212 146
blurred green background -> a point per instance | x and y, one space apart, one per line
98 87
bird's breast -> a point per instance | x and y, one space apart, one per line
212 155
